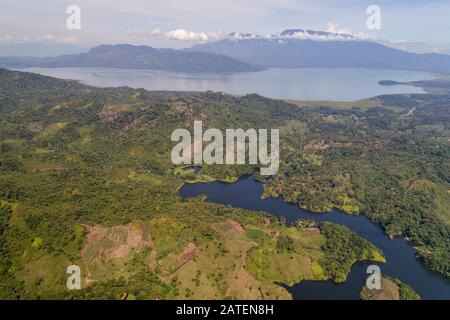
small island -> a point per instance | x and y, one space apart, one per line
389 83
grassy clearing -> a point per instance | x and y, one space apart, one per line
364 104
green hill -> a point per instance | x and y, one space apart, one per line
86 179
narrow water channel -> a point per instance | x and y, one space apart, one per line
401 261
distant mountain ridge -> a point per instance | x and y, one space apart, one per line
294 32
298 48
248 52
291 34
136 57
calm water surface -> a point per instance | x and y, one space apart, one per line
400 256
344 84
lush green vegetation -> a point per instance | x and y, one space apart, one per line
440 85
86 179
342 248
392 166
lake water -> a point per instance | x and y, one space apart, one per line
344 84
401 261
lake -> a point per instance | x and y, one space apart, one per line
401 261
346 84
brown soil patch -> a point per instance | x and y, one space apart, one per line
389 291
313 229
229 229
236 226
86 90
35 126
317 145
117 242
111 112
417 184
152 260
375 144
275 235
188 253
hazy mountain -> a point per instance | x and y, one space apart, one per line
300 33
39 49
242 52
306 48
137 57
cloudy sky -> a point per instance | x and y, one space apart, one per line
180 23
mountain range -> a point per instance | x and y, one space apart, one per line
297 48
136 57
246 52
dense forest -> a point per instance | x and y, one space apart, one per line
86 179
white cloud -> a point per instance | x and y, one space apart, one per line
332 33
333 28
419 21
183 35
178 34
242 36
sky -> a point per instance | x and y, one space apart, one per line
420 24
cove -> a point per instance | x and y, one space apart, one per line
401 260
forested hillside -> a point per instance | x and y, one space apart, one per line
86 179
